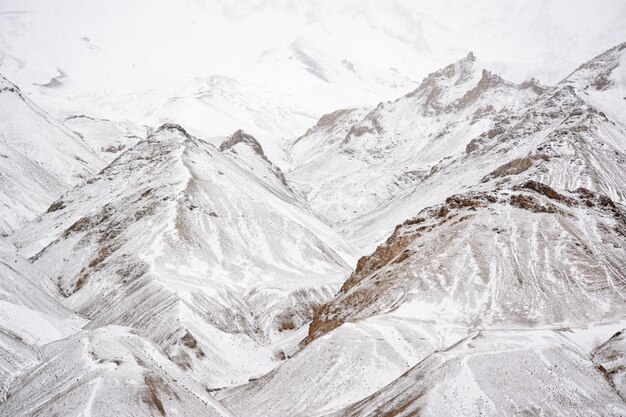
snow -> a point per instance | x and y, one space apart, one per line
208 269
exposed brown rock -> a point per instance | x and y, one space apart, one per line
478 114
543 189
327 121
527 202
173 126
242 137
515 167
114 149
602 82
57 205
471 200
534 85
492 133
487 81
384 254
80 225
150 396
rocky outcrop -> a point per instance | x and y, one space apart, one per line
241 137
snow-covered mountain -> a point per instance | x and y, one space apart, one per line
175 239
360 165
495 274
273 67
490 258
257 209
570 137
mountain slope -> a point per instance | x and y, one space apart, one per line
40 159
30 315
107 138
29 130
176 240
340 368
523 256
499 373
26 190
110 371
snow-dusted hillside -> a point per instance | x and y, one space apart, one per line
39 137
40 159
499 373
31 315
110 371
105 137
177 240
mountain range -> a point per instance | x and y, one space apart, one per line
459 250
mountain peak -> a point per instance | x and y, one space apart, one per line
598 72
458 85
173 127
242 137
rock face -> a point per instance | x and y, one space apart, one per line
158 241
248 153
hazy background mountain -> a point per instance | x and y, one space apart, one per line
273 67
